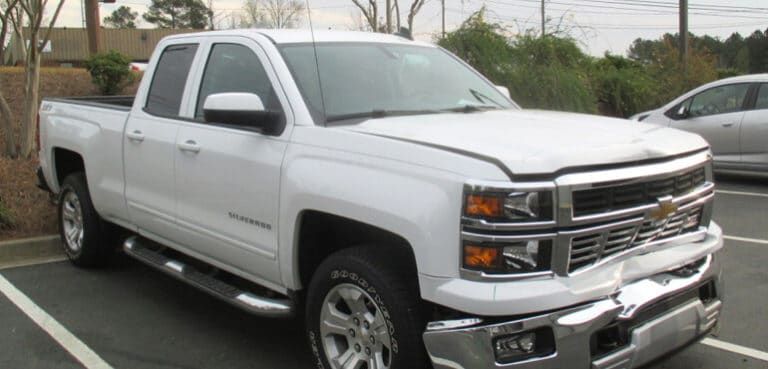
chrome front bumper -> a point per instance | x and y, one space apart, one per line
665 312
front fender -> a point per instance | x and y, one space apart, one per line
420 204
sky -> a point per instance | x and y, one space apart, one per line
599 25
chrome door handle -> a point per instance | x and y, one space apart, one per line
729 124
189 146
136 136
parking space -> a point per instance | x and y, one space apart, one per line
24 345
135 317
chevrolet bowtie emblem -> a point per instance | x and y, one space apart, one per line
665 210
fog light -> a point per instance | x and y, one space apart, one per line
523 257
524 345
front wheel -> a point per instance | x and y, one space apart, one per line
364 312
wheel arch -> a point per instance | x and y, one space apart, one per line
319 234
65 162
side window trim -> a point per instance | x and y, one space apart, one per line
187 83
751 99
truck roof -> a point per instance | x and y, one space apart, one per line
290 36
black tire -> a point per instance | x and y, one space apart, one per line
389 280
94 247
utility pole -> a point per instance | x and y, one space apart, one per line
93 25
544 20
442 3
684 34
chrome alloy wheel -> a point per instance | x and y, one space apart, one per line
72 222
354 332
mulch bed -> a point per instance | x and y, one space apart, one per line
30 209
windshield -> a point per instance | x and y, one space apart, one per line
360 80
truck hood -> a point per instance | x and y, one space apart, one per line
537 142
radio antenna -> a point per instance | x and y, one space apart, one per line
317 62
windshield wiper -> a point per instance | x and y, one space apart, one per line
483 98
378 113
471 108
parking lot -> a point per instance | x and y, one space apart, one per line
129 316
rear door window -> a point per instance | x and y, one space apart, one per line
169 79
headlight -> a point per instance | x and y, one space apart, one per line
508 258
510 206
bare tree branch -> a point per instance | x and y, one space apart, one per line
50 25
415 8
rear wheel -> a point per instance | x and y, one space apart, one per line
363 312
81 228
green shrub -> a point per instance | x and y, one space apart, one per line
550 73
623 85
6 221
728 72
110 71
482 45
546 73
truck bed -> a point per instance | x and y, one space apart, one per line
108 102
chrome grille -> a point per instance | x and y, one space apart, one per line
611 198
591 247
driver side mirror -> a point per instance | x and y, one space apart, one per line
244 110
683 112
504 91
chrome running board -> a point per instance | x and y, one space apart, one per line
250 302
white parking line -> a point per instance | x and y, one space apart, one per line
741 350
742 193
67 340
745 239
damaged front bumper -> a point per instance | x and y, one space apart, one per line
642 321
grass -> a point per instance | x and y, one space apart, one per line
6 221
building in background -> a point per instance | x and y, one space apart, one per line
69 46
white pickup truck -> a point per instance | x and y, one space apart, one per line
406 206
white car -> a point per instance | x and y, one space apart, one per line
731 114
392 194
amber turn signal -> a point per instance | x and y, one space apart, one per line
477 257
484 206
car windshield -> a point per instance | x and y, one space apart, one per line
369 80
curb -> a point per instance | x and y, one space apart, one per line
28 251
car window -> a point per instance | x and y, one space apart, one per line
169 78
762 97
719 100
235 68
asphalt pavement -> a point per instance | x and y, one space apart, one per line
130 316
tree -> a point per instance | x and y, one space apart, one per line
622 86
272 13
370 12
555 65
6 117
31 13
122 17
253 15
757 43
284 13
482 45
178 14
